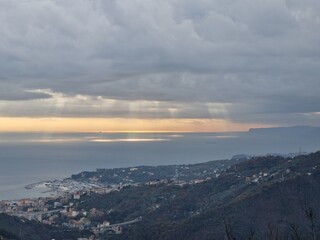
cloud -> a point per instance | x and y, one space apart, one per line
241 60
9 92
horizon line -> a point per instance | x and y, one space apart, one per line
129 131
156 131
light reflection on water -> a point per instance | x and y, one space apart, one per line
131 140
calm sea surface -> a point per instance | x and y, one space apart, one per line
31 157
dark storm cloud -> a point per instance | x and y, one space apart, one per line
241 60
12 92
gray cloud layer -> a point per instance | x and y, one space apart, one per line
242 60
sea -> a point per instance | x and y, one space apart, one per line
27 158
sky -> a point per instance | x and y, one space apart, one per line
169 65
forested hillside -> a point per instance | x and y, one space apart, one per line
268 197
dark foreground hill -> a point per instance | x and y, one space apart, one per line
14 228
278 210
263 198
260 198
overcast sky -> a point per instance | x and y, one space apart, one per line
241 61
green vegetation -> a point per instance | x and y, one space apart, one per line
21 229
261 198
142 174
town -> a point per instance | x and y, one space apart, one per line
61 209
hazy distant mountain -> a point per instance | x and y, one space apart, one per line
285 130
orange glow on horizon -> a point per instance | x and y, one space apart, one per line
11 124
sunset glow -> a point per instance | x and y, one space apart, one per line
119 125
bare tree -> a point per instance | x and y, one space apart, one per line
273 233
295 232
252 234
312 219
229 230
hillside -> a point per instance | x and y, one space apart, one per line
142 174
252 196
268 197
259 211
14 228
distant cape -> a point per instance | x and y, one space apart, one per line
285 130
